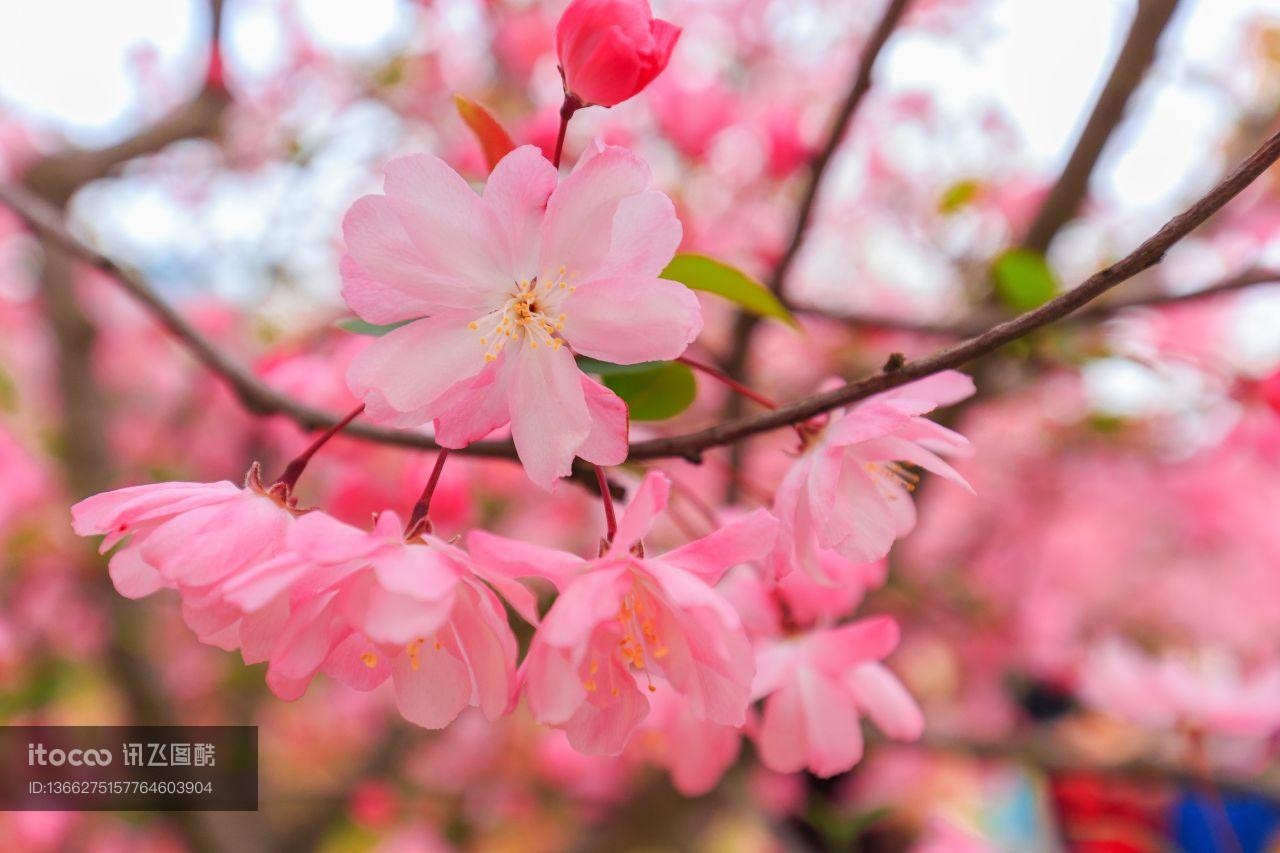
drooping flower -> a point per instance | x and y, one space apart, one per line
609 50
625 623
367 606
816 686
504 289
848 496
191 537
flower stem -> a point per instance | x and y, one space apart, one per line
418 517
610 519
295 468
728 380
570 106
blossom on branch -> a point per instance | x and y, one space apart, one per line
625 623
848 496
502 290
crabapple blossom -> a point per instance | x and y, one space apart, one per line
192 537
499 291
848 496
815 686
368 606
626 618
609 50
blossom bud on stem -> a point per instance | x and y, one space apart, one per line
295 468
570 106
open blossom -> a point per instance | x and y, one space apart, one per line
504 289
609 50
367 606
849 494
191 537
1207 692
815 686
624 623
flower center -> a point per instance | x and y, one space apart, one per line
530 314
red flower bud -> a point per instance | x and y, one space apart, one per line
611 49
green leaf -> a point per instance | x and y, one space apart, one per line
958 195
360 327
698 272
653 390
1023 279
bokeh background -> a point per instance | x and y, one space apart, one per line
1127 465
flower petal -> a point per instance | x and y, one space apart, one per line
549 417
631 319
413 366
517 193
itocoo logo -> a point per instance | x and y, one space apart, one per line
37 754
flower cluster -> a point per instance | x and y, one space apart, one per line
493 298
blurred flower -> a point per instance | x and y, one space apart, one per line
816 684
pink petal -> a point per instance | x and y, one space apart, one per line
517 193
631 319
475 407
742 540
645 506
881 695
592 599
358 663
413 366
515 559
448 223
606 444
577 231
810 723
132 576
549 417
645 236
387 278
433 692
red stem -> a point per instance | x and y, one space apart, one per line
610 519
418 516
733 384
570 106
295 468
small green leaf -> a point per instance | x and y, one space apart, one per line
653 390
698 272
958 195
360 327
1023 279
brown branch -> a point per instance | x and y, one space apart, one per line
1130 69
264 400
1147 255
1249 278
735 362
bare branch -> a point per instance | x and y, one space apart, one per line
1135 59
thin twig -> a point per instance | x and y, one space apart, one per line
1130 69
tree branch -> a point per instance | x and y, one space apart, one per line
264 400
1249 278
1132 64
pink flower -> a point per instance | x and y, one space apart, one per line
192 537
503 289
815 686
625 616
364 607
848 496
1207 692
695 752
611 49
